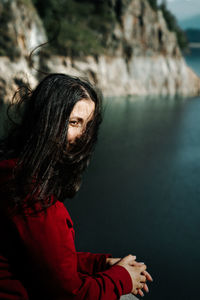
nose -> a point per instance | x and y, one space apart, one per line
73 134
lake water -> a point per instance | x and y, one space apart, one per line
193 60
141 194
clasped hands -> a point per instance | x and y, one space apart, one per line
137 271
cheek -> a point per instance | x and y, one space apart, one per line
73 133
70 134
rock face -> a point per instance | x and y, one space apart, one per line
25 31
144 58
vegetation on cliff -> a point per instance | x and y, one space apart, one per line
173 26
8 39
77 27
85 26
171 23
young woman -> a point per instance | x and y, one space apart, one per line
42 161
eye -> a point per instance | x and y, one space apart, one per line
73 122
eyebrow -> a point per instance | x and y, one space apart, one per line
80 119
76 117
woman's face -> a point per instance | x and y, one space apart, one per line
81 114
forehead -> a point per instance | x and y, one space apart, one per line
83 109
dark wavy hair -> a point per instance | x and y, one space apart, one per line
45 166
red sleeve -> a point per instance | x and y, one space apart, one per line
52 260
91 263
88 263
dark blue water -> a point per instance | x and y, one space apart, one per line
141 194
193 59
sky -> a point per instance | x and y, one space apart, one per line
184 9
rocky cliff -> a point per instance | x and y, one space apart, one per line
144 58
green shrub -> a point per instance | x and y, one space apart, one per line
8 39
81 27
171 23
153 4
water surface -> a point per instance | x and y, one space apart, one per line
141 194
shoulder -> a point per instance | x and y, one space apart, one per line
50 223
55 212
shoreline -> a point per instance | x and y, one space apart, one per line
194 45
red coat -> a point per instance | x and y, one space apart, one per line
38 259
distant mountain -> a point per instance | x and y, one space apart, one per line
193 35
193 22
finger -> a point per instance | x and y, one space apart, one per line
140 286
134 292
143 278
143 267
148 276
138 264
129 259
145 288
131 256
140 292
135 263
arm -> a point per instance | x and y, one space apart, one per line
91 263
52 263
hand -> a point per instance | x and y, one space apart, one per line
112 261
137 272
148 277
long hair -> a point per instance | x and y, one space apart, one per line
44 165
